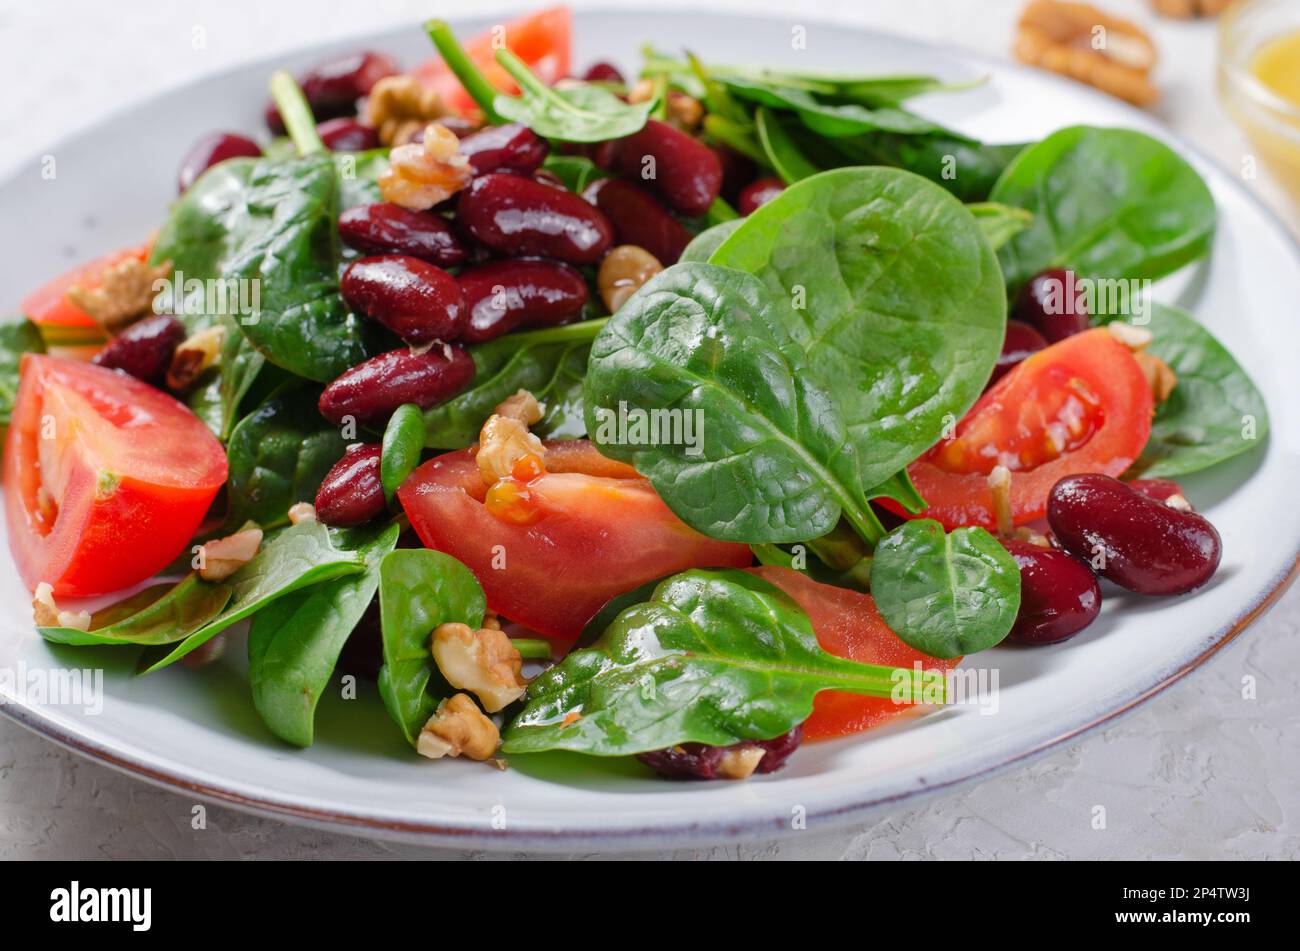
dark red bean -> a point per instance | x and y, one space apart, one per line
332 88
1131 539
213 148
603 72
1052 304
347 135
386 228
684 172
371 391
414 299
511 147
638 218
737 171
698 761
1158 489
1059 594
1020 341
758 193
503 295
352 492
519 216
144 349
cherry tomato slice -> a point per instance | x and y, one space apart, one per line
106 478
1080 405
551 551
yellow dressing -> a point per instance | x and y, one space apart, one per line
1277 66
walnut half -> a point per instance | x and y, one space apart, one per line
1082 42
484 662
458 728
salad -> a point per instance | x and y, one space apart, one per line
688 416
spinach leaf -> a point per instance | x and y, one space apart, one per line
1214 413
707 241
828 118
712 657
781 152
570 110
294 642
901 303
967 169
161 614
1000 223
575 171
1107 203
711 345
279 454
400 451
945 594
16 338
297 557
420 589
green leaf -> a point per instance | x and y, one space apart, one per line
420 589
966 169
1205 419
297 557
575 171
781 151
713 657
828 118
161 614
570 110
295 641
16 338
1000 223
279 455
400 452
773 461
707 241
945 594
903 307
1108 204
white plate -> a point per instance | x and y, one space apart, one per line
197 731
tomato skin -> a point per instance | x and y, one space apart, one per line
542 40
136 473
595 538
1108 370
49 304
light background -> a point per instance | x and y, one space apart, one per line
1196 773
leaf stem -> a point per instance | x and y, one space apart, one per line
453 54
296 113
532 648
567 333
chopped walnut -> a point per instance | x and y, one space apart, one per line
222 557
1158 373
399 106
999 482
124 295
491 621
740 762
1031 537
484 662
1135 338
1079 41
502 442
1178 502
1187 9
47 613
685 112
195 355
522 406
421 175
301 512
457 728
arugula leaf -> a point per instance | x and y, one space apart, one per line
400 451
570 110
1108 204
294 642
420 589
160 614
945 594
713 657
774 463
903 307
16 338
1205 418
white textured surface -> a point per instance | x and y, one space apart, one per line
1199 772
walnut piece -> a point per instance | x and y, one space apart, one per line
1158 373
1135 338
522 406
421 175
222 557
195 355
458 728
125 293
999 483
1187 9
1082 42
502 441
301 512
47 614
399 106
740 763
484 662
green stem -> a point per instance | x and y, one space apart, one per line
532 648
296 113
524 76
900 683
453 54
768 554
733 134
568 333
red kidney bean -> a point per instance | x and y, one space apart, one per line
1051 304
371 391
1131 539
758 193
213 148
699 761
1158 489
503 295
144 349
414 299
520 216
512 147
352 492
685 172
385 228
1020 341
638 218
332 88
347 135
1059 595
737 171
603 72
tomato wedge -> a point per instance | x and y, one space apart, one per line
50 305
106 478
1080 405
542 40
847 624
600 530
